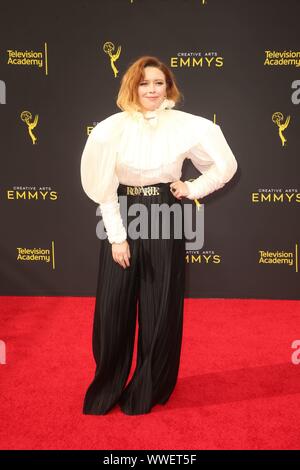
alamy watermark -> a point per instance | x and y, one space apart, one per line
2 352
2 92
167 221
296 354
296 94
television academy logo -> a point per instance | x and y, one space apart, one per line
280 257
29 58
282 58
34 255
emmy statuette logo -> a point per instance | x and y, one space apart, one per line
278 119
109 48
26 117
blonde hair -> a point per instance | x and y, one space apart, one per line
127 99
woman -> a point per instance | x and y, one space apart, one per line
137 154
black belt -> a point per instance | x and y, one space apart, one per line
147 190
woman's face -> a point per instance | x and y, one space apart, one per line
152 89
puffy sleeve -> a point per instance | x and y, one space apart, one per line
213 157
99 179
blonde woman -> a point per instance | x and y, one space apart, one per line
138 154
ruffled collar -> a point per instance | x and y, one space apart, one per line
151 117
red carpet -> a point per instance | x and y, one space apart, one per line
237 387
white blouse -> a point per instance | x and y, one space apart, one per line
137 149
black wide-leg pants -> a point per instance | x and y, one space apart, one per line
152 288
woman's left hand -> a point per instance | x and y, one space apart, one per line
179 189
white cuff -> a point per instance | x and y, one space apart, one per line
112 221
192 191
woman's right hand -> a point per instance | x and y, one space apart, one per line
121 253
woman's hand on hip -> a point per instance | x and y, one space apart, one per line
121 253
179 189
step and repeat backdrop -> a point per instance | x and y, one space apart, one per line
236 62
